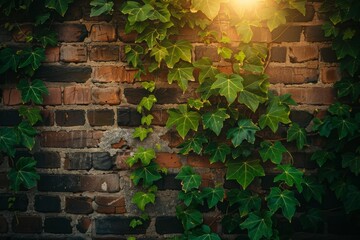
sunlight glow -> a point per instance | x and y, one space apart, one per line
247 3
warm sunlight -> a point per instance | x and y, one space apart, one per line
247 3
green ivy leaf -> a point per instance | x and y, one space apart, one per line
258 225
42 18
183 119
133 55
141 199
27 134
8 140
100 7
284 200
147 103
348 86
330 30
134 223
277 18
275 113
148 174
32 91
136 11
151 35
190 218
179 50
60 6
189 179
47 39
245 32
146 120
291 176
298 134
321 157
351 161
340 109
192 197
352 199
194 144
312 189
207 70
312 219
205 89
345 127
246 201
272 151
339 187
229 86
298 5
150 86
217 152
24 173
182 73
345 48
254 92
30 114
141 133
159 53
215 120
33 58
160 13
210 8
245 131
9 60
244 172
225 52
145 155
197 103
208 236
213 196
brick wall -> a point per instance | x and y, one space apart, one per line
84 190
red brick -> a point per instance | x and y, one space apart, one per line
160 117
26 224
110 205
100 183
300 54
173 139
71 32
113 74
104 53
261 34
168 160
21 32
78 205
330 74
311 95
11 96
126 37
103 33
109 95
187 34
77 95
207 180
203 162
52 54
291 75
121 161
73 139
83 224
54 97
73 53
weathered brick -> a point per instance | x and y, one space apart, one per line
168 160
102 161
54 97
278 54
315 34
330 74
291 75
108 95
103 33
120 161
125 37
57 225
73 53
128 117
300 54
286 34
19 204
168 225
160 117
52 54
26 224
328 55
9 117
77 95
295 16
163 95
11 96
110 205
64 73
104 53
78 183
201 161
74 139
3 223
261 34
208 51
168 182
303 118
118 225
113 73
69 118
101 117
47 159
21 32
71 32
78 161
311 95
187 34
78 205
83 224
48 118
46 203
173 138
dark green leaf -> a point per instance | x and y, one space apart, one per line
148 174
27 134
229 86
217 152
189 179
136 11
291 176
193 197
33 58
298 134
100 7
182 73
244 172
351 161
207 70
32 91
213 196
312 219
272 151
179 50
254 92
9 60
258 225
346 127
24 174
245 131
190 218
215 120
183 119
133 55
284 200
61 6
276 113
194 144
246 201
8 140
352 199
31 114
312 189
